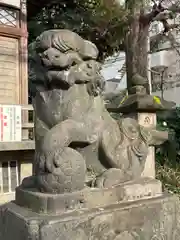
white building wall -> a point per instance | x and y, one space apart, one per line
167 60
110 70
111 67
172 94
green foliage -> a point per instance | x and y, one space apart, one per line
168 157
170 151
104 22
169 175
173 121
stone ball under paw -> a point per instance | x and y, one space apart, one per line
66 173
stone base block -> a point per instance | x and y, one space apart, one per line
148 219
87 198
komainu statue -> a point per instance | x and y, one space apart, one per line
78 143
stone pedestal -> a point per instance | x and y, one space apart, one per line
109 214
88 198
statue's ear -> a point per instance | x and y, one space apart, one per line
158 137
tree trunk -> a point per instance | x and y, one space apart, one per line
136 44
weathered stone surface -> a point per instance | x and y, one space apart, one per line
149 219
147 120
76 138
86 174
88 198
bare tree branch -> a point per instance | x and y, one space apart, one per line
173 42
162 16
156 10
161 13
167 27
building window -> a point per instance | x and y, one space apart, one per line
9 176
9 17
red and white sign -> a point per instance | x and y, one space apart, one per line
10 123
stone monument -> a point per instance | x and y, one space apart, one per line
86 181
143 107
